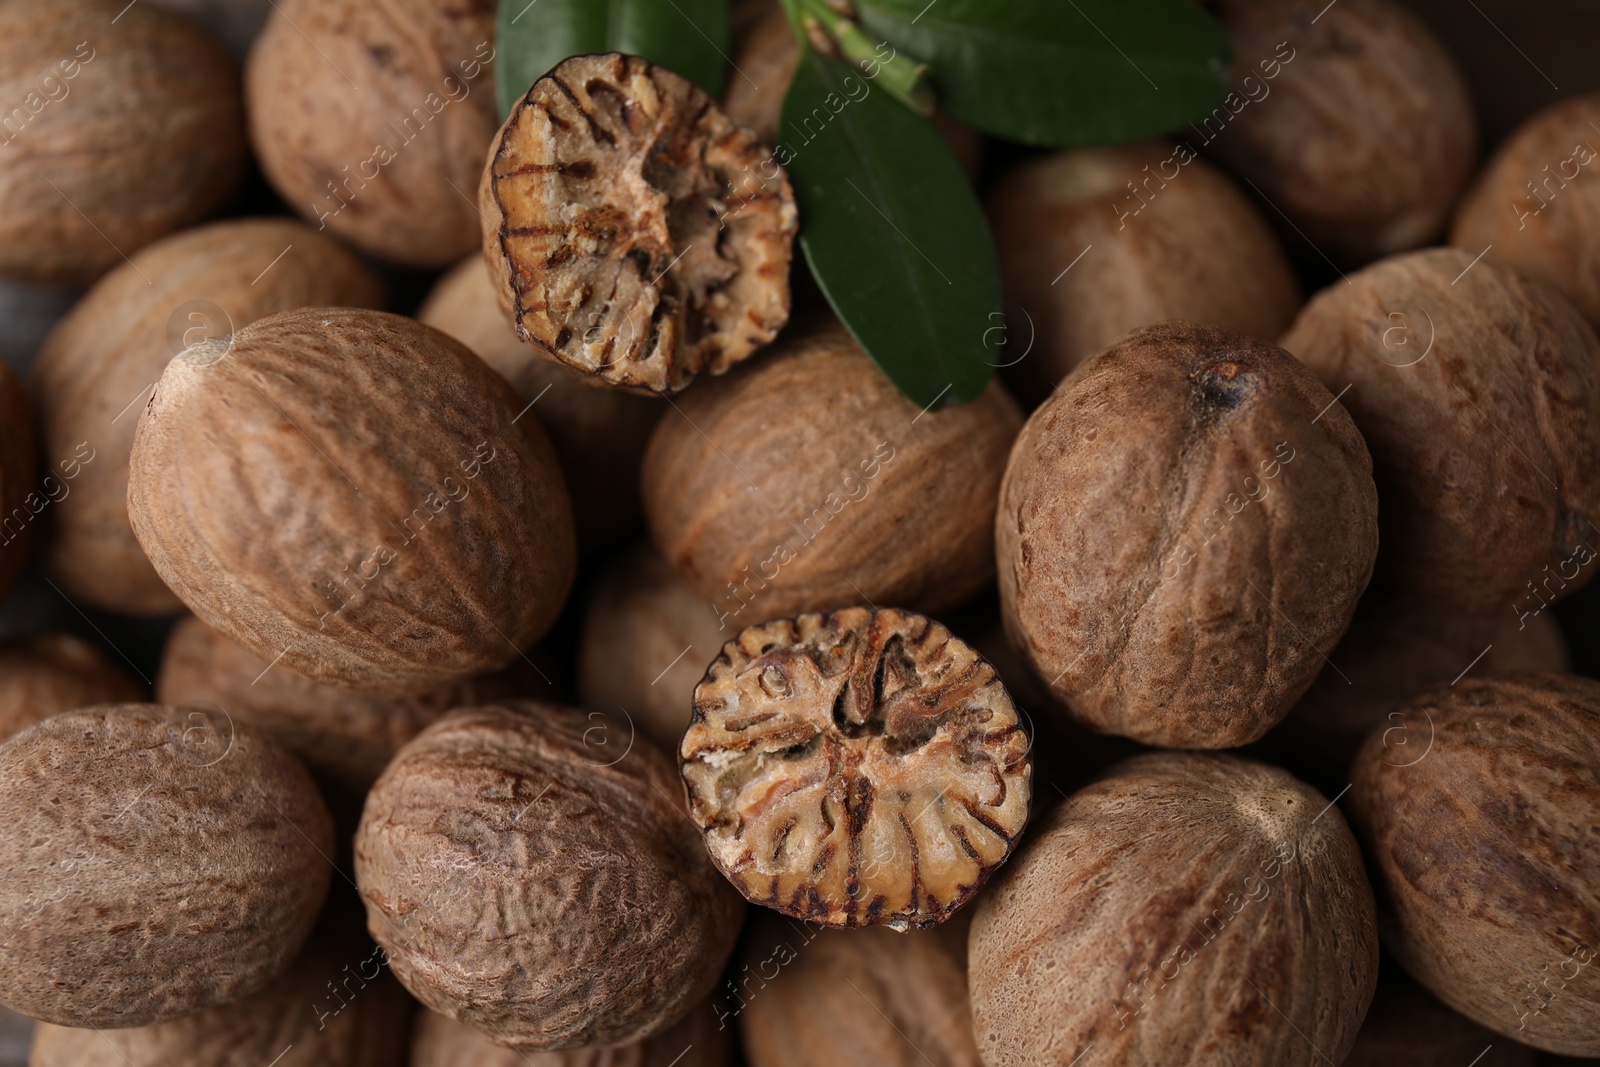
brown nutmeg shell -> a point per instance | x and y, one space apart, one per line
1479 804
46 675
698 1040
1184 530
1184 910
807 482
610 920
98 365
353 492
158 862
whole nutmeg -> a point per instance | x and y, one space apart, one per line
1185 909
1478 804
630 228
1408 1027
46 675
20 499
609 920
599 434
373 119
1184 530
335 1007
808 482
1477 390
1538 202
862 998
99 364
646 639
864 768
1161 234
695 1041
158 862
1353 121
114 135
353 495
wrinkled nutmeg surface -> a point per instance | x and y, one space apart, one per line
633 231
695 1041
862 768
158 861
1479 804
1184 530
46 675
1477 390
1186 910
352 494
527 881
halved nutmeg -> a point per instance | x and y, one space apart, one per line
634 231
861 768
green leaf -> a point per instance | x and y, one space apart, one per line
893 232
686 36
1063 73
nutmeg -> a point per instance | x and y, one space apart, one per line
158 862
352 494
695 1041
599 434
21 500
1184 908
807 482
1478 804
97 367
646 640
1477 390
1184 530
373 119
630 229
1098 242
114 135
46 675
608 919
862 768
1350 119
1538 202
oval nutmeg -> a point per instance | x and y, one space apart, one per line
158 861
46 675
1184 910
1152 536
700 1039
863 768
354 496
632 229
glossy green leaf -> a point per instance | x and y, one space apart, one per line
686 36
893 232
1063 72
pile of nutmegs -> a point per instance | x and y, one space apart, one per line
446 763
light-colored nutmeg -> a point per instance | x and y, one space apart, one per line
97 367
159 861
806 482
46 675
113 135
1183 910
352 494
373 119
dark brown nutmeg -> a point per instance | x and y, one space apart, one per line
352 494
98 365
1183 911
1098 242
1538 202
610 920
1477 390
113 134
1479 804
863 768
20 498
697 1040
46 675
1184 530
1406 1026
630 228
159 861
372 119
599 434
1322 96
808 482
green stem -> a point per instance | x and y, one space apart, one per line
826 22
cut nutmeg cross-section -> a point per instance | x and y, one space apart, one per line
856 769
635 232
